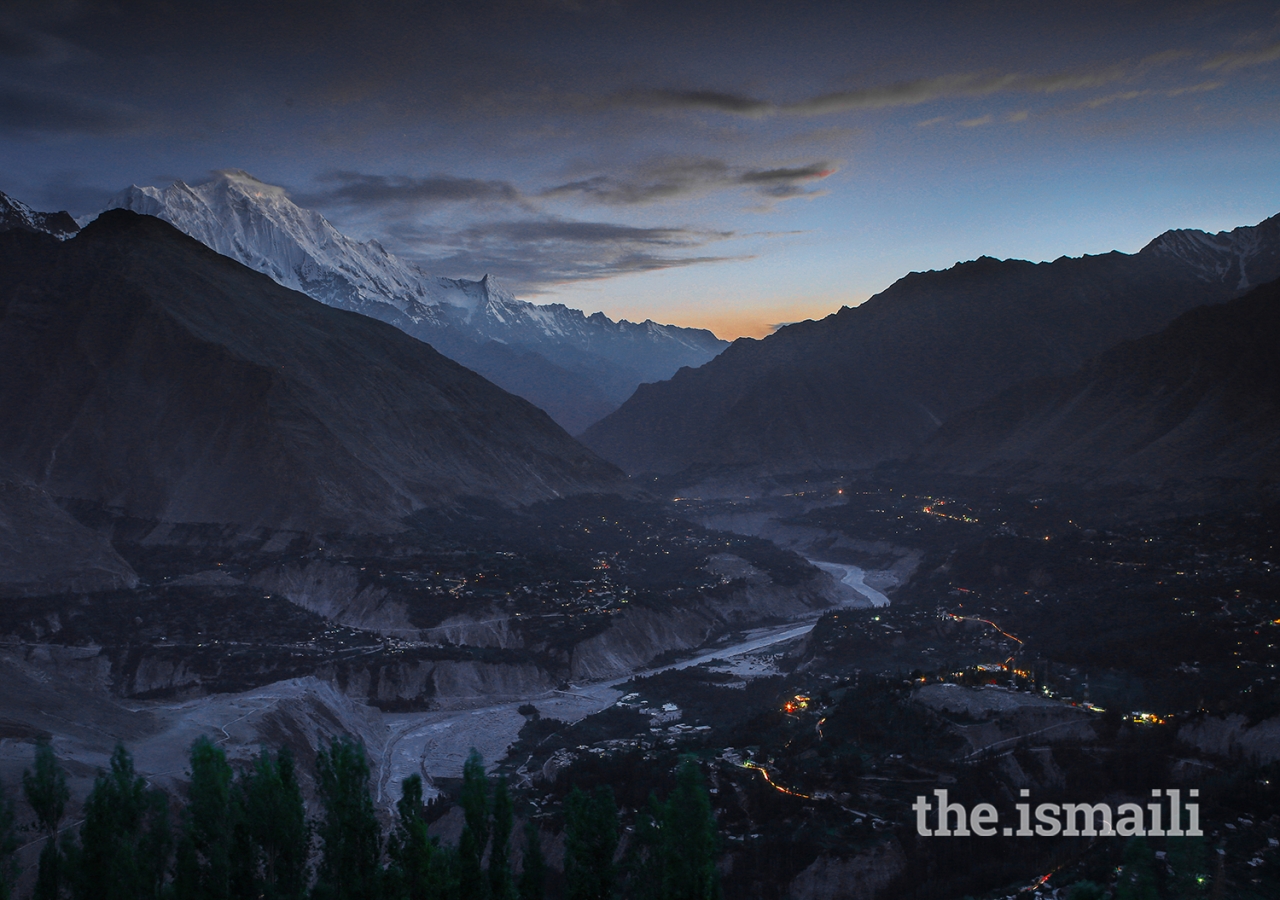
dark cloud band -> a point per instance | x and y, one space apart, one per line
359 189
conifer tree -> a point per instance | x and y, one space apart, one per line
533 866
352 842
591 839
475 830
46 791
125 842
501 887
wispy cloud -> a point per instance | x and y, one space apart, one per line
391 191
905 93
536 254
1120 96
1240 59
1201 88
674 178
715 101
899 94
975 123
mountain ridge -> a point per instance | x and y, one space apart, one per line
872 382
143 371
598 362
1198 399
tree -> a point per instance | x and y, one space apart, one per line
419 868
501 887
533 874
475 830
678 842
352 843
46 791
209 824
125 841
8 847
1137 879
591 839
1188 857
275 820
689 839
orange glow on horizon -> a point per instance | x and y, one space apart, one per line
753 322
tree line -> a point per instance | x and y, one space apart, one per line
246 834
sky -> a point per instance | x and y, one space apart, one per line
728 165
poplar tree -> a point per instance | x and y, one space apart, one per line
475 829
125 841
419 868
275 821
8 847
591 839
1137 879
46 792
352 842
501 887
687 839
209 824
533 866
675 844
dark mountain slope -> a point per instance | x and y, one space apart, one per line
873 382
141 370
1199 399
43 550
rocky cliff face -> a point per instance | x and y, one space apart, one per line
637 636
140 370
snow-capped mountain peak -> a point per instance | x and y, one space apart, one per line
1244 257
258 225
14 214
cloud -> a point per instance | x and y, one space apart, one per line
715 101
1201 88
1098 102
35 110
672 178
898 94
392 191
1239 59
904 93
534 254
975 123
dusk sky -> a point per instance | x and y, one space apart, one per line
728 165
